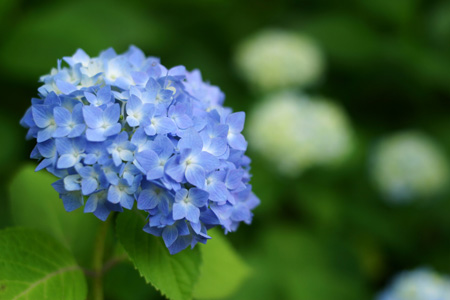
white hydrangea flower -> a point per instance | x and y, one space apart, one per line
275 59
420 284
409 165
295 132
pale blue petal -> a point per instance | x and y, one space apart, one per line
113 130
195 175
179 210
88 185
62 116
192 213
165 125
114 194
217 191
237 141
66 161
198 197
92 116
236 121
111 114
95 135
207 161
148 159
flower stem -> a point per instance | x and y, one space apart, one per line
97 260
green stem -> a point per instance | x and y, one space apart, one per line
97 260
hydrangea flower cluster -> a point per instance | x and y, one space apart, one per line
407 166
296 132
419 284
276 59
123 128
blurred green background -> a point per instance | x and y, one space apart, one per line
327 234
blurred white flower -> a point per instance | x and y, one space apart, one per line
420 284
294 132
409 165
275 59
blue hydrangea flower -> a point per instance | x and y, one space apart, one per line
122 128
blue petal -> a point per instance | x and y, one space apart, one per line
104 94
170 234
237 141
180 244
148 159
175 170
91 204
217 191
183 121
236 121
42 115
191 140
47 148
66 161
95 135
72 201
234 178
62 116
46 134
181 195
147 199
61 132
92 116
88 185
114 194
192 213
127 201
207 161
165 125
77 130
179 210
111 114
195 175
72 182
113 130
198 197
65 87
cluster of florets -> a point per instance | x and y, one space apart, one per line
276 59
408 166
122 128
297 132
419 284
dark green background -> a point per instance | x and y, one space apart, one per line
327 234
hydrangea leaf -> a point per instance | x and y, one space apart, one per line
34 203
223 270
49 271
173 275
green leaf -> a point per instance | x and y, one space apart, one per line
223 271
35 204
174 275
124 280
35 266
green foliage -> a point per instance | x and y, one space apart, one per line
223 270
174 275
56 32
307 269
48 271
123 280
35 204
